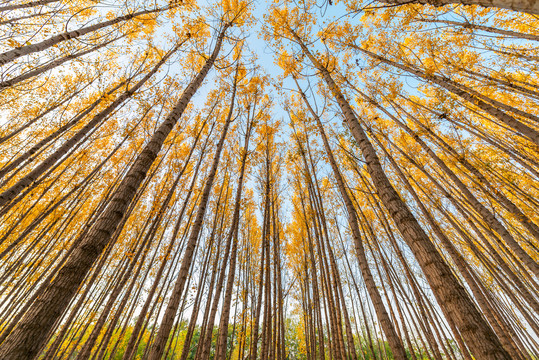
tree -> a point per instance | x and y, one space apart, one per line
373 195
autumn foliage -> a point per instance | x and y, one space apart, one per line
286 180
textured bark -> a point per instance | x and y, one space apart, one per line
159 344
501 263
476 287
488 105
140 251
27 5
29 336
76 312
490 29
452 297
16 53
77 242
220 352
55 158
394 340
525 6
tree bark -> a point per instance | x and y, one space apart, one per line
452 297
27 5
30 334
16 53
10 193
526 6
394 340
159 344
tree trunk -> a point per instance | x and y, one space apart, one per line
27 5
16 53
394 340
452 297
159 344
525 6
220 352
30 334
54 158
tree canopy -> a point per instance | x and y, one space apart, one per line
340 179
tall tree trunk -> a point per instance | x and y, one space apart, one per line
525 6
220 352
27 5
30 334
158 346
394 340
16 53
452 297
54 158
